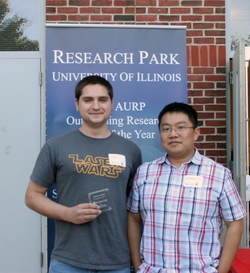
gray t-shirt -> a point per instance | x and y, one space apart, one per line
80 168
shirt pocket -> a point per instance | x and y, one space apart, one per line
198 207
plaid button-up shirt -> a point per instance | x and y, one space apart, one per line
182 223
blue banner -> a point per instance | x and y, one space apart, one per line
146 66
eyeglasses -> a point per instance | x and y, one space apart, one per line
178 129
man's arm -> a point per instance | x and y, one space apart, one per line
134 238
36 200
231 245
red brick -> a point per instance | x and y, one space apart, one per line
220 41
188 52
101 3
157 10
215 153
198 143
130 10
221 115
204 40
215 107
100 17
220 70
169 18
222 55
221 145
221 160
124 3
221 85
78 18
194 56
221 100
137 10
207 145
220 25
169 3
213 55
203 85
221 130
203 10
56 2
112 10
203 100
67 10
220 10
192 18
215 78
207 130
180 10
79 3
191 3
206 115
195 93
203 70
56 17
215 93
214 3
90 10
193 33
147 3
196 78
215 32
148 18
189 69
50 10
215 137
203 25
215 18
204 55
198 107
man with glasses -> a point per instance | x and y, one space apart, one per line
178 203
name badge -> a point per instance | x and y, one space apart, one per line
193 181
116 159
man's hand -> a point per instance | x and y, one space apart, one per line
36 200
134 238
82 213
231 244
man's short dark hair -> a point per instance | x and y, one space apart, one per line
90 80
180 107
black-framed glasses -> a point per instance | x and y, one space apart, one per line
178 129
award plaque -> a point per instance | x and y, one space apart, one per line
100 198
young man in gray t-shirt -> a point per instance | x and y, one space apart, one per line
92 169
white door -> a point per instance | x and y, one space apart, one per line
240 130
20 228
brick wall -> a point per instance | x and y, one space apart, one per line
206 49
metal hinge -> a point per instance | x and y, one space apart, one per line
40 78
41 259
230 77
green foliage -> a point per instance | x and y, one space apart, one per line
12 32
3 9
